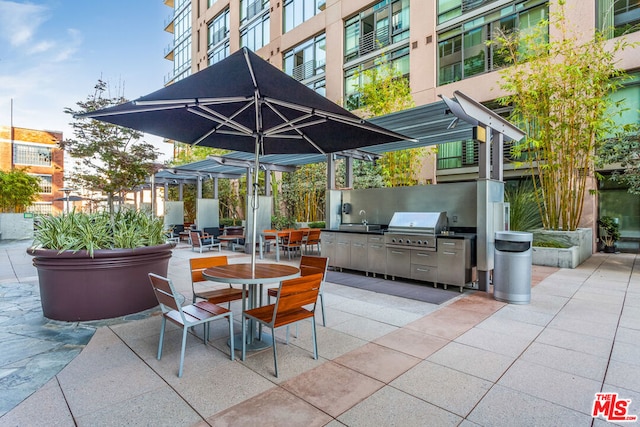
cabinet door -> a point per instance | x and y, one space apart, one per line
426 273
377 256
359 259
452 261
328 246
399 262
343 251
423 257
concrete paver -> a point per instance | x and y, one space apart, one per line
383 360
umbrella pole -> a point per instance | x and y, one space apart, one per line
254 204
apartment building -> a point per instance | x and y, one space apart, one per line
37 152
440 45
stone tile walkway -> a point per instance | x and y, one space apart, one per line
383 361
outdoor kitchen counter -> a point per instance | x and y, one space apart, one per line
378 232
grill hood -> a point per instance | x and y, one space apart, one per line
418 222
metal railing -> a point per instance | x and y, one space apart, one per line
468 5
304 71
373 41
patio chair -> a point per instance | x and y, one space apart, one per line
200 313
313 239
203 241
291 306
309 265
214 296
293 242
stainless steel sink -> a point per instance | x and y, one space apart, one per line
359 227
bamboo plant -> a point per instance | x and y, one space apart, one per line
560 91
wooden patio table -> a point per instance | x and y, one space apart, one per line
242 274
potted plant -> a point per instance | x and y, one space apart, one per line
95 266
609 233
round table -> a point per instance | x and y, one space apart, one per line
243 274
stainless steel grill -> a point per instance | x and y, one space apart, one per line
415 229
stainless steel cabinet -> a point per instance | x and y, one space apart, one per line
424 265
343 251
454 262
398 262
358 252
328 246
376 255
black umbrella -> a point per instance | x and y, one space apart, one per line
243 103
69 199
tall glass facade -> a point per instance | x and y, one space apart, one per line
182 40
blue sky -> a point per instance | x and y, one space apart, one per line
52 53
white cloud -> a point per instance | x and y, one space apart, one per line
20 21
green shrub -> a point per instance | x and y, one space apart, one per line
230 222
279 222
78 231
317 224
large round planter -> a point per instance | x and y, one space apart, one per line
75 286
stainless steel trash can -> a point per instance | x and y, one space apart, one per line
512 267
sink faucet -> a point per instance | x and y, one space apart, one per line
364 214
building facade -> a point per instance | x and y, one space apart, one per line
440 45
37 152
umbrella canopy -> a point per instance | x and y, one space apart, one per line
69 199
228 104
243 103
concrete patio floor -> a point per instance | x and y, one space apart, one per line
383 360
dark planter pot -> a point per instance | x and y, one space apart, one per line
609 249
74 286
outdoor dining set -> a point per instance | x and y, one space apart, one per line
291 294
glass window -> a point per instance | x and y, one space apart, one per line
218 37
251 8
463 51
219 53
354 78
31 155
41 208
307 59
618 17
255 34
218 29
45 183
376 27
298 11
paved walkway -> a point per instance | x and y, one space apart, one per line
383 360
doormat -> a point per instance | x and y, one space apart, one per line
420 291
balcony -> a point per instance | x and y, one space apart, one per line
373 41
168 23
304 71
253 9
168 51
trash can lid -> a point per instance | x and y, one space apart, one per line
514 236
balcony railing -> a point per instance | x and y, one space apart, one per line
218 36
304 71
468 5
469 156
373 41
169 48
254 8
